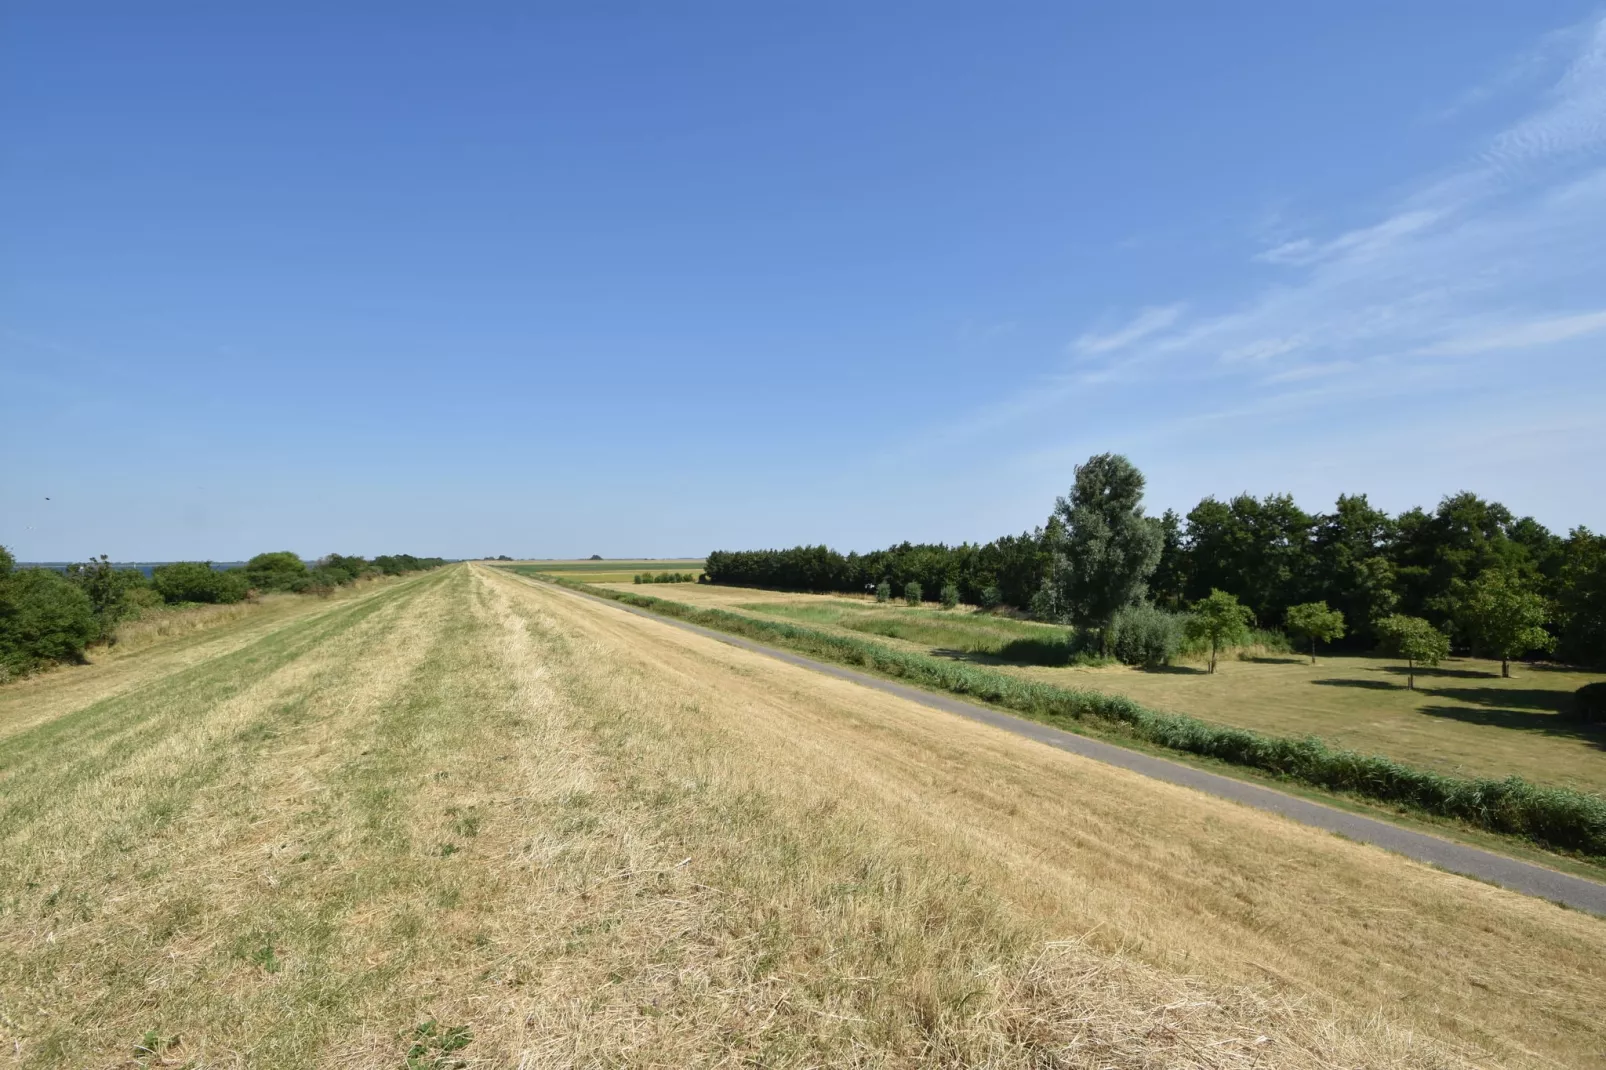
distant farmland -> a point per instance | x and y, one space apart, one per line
613 571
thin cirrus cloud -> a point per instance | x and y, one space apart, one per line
1479 284
1521 336
1147 322
1574 119
1480 261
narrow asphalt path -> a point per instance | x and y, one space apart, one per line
1576 892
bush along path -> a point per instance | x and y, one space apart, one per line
1556 818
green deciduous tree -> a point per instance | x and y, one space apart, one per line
1109 548
1415 640
949 596
912 593
1581 598
1168 583
1314 622
1505 617
1220 620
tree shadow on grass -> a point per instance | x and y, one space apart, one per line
1551 724
1514 697
1440 670
1266 659
977 657
1177 670
1365 685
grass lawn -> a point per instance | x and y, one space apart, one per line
1463 718
468 818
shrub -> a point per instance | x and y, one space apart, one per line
1589 703
321 581
276 571
883 591
397 564
1271 640
44 617
912 593
1045 605
198 581
991 598
115 594
950 595
347 567
1145 635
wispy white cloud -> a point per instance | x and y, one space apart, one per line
1474 261
1358 244
1482 277
1574 118
1536 332
1147 322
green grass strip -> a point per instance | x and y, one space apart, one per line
1558 818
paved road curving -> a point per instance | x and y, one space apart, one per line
1577 892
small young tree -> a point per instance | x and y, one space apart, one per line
950 596
1505 618
1415 640
1219 620
912 593
883 591
1314 622
991 598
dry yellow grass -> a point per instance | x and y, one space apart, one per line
154 647
596 840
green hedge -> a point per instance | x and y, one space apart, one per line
1554 817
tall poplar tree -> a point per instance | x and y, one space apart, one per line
1109 548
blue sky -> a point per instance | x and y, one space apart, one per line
658 279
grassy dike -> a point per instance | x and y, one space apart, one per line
1555 818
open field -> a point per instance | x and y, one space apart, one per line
1462 719
668 564
572 836
604 571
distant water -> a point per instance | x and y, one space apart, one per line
143 566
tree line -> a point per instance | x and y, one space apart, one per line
49 615
1483 579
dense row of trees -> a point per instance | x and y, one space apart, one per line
1487 580
49 616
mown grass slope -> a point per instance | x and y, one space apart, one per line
464 817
